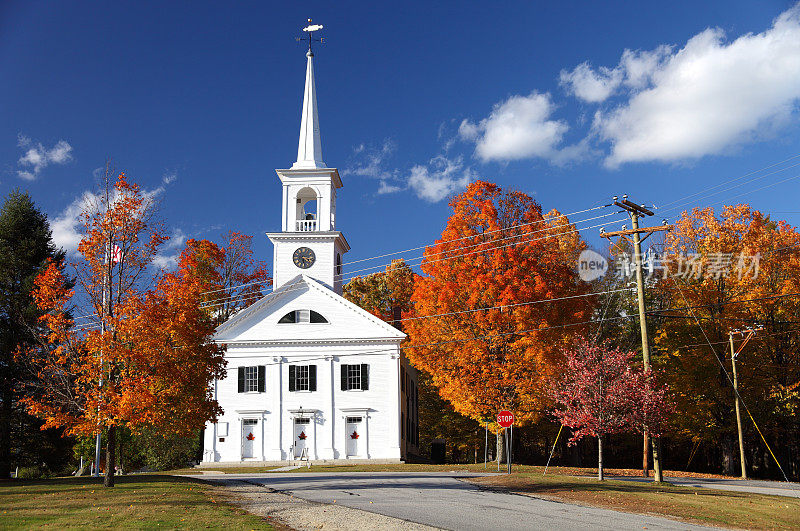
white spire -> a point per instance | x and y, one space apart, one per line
309 149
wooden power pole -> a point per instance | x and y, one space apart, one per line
734 353
635 211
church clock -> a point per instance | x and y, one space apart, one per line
304 257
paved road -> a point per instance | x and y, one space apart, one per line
776 488
442 500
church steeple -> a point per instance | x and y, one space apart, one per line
309 242
309 149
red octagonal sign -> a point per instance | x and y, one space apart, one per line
505 418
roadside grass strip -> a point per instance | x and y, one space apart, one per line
140 502
699 505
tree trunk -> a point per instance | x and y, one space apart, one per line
727 455
5 436
501 447
600 458
111 454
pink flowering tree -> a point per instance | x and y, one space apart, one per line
600 394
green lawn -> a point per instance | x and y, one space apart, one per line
705 506
141 502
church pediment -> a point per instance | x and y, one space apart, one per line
322 316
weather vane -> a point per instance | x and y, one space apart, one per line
310 29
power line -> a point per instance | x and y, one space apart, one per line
423 260
448 241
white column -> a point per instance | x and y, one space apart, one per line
240 426
393 411
288 209
314 423
328 451
263 435
276 452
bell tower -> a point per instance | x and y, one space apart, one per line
309 242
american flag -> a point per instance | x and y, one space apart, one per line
116 255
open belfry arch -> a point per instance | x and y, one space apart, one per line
311 375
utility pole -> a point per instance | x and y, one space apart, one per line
734 353
635 211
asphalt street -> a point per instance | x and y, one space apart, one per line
443 500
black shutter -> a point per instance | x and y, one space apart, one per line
262 378
402 379
344 377
241 379
291 378
312 377
364 377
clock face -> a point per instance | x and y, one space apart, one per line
304 257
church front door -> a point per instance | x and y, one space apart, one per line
301 436
353 430
248 437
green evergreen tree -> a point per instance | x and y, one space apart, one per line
25 245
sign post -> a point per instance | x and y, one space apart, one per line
506 420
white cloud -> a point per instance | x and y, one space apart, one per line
67 226
371 161
169 178
590 85
704 98
440 178
517 128
37 157
167 258
635 70
386 188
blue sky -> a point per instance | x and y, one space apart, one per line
570 102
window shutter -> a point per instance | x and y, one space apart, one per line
312 377
291 378
262 378
344 377
402 379
364 377
241 379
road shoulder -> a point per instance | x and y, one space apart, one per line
299 514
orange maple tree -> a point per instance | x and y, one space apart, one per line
729 270
487 349
145 358
235 278
385 294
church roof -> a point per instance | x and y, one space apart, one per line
258 323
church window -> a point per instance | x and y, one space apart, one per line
302 316
302 377
355 377
339 264
252 379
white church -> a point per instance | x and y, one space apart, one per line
310 374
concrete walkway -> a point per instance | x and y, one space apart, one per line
444 501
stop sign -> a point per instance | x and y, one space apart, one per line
505 418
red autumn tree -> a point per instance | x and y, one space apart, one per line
145 357
486 333
599 394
